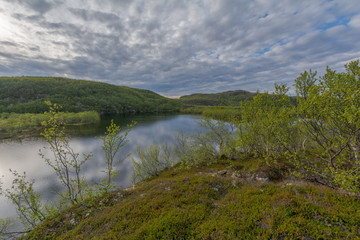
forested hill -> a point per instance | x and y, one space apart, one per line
27 95
229 98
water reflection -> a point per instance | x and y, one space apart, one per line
24 155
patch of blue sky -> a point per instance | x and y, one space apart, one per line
212 52
343 20
264 16
265 50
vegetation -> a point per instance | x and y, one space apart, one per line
113 141
152 160
213 202
16 124
230 98
320 136
275 170
330 111
65 162
219 105
67 165
28 94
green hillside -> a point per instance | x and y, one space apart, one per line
215 202
27 95
229 98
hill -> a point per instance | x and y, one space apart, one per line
229 98
213 202
27 95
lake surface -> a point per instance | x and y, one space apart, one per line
23 155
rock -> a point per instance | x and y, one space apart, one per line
221 173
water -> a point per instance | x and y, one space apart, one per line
23 155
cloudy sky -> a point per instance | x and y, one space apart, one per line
178 47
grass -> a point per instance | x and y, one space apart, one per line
213 202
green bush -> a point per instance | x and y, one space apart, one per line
152 160
268 125
329 111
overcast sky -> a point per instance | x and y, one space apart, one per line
178 47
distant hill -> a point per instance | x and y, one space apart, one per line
229 98
27 95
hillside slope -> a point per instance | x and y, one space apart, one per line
229 98
27 94
214 202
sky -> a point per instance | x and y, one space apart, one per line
178 47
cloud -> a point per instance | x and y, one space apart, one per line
178 47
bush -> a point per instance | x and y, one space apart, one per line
215 142
329 110
268 125
152 160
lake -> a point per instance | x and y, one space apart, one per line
23 155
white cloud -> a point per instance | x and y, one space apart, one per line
355 21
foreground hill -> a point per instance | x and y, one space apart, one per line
27 95
214 202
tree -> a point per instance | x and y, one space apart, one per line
29 207
330 113
66 163
112 142
304 83
268 124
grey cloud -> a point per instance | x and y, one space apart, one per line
87 15
181 47
40 6
8 43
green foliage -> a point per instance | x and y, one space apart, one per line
304 83
200 203
4 225
112 142
330 114
28 204
227 114
152 160
66 163
230 98
15 124
268 125
27 95
206 147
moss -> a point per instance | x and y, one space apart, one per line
208 203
